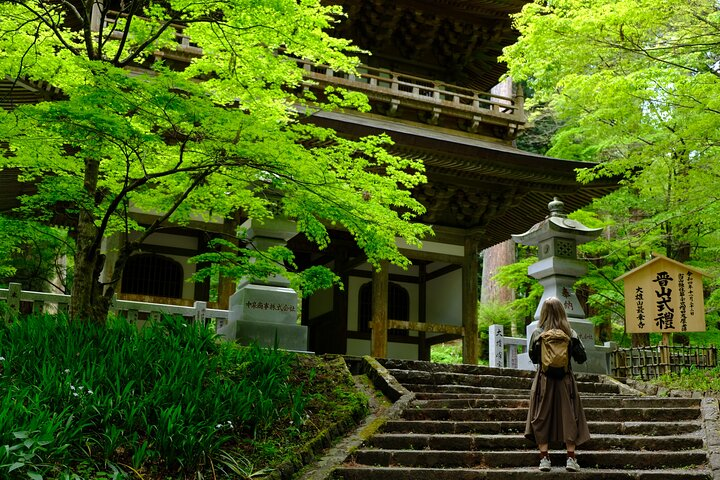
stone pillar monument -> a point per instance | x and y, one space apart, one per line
266 312
557 270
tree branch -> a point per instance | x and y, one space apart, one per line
52 26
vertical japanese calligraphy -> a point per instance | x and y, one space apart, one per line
690 293
663 296
665 313
683 304
639 298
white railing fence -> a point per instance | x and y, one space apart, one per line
133 311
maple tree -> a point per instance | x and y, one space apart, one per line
226 131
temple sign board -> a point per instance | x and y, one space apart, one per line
665 296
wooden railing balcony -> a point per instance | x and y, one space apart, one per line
393 94
432 98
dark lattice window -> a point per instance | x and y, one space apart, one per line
398 307
150 274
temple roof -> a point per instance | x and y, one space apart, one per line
475 185
457 41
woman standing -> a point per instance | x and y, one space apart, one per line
556 414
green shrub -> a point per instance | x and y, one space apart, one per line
706 380
446 353
167 398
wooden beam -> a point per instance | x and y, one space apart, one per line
378 337
340 301
168 250
355 262
469 302
394 277
432 256
442 271
426 327
404 339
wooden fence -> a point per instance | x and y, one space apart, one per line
647 362
134 311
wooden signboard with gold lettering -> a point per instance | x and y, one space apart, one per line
664 296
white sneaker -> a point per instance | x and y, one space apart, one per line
545 464
572 465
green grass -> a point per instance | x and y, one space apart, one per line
706 380
84 401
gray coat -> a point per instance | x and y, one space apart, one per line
556 414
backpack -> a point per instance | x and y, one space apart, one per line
554 359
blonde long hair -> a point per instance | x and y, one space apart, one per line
552 315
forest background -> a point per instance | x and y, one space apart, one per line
632 85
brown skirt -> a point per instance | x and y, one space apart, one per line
556 414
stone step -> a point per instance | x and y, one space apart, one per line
607 414
500 394
474 370
476 442
587 401
396 364
466 390
487 459
518 426
467 422
419 377
558 472
586 388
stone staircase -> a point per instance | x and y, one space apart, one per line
466 422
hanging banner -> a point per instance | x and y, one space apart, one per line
664 296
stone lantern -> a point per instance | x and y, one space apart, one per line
266 312
557 270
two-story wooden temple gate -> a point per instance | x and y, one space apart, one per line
432 80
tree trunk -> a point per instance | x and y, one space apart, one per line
493 258
491 292
84 301
640 339
226 285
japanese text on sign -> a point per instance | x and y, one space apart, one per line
663 296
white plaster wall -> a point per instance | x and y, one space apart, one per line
434 247
188 270
444 299
353 289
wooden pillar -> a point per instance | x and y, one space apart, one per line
226 285
665 354
340 303
202 289
379 325
471 343
423 347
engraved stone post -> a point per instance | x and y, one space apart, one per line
266 312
